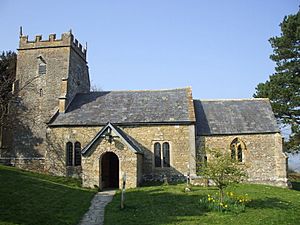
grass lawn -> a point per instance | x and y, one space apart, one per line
35 199
170 205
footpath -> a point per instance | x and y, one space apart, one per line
95 214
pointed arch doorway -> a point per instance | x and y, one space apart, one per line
109 170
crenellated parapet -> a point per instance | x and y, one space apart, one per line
67 40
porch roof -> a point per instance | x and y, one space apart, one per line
127 139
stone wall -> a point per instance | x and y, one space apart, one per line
79 80
91 167
55 158
182 149
263 158
128 164
180 138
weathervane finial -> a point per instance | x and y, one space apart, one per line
21 31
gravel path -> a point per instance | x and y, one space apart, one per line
95 215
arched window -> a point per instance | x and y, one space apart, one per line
157 154
42 68
69 154
166 154
232 149
240 154
77 154
237 149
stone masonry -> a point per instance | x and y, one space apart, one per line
263 159
137 167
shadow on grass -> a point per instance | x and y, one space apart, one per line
171 205
296 185
155 206
34 199
272 203
159 183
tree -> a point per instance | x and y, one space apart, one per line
8 62
7 77
10 101
283 87
221 169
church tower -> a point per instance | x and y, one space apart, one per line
49 74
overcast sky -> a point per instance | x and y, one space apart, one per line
220 48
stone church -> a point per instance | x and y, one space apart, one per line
62 128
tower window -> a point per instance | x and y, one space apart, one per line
16 86
42 68
41 92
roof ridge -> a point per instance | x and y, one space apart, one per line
234 99
146 90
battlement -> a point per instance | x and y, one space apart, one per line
67 40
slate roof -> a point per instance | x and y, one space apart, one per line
246 116
128 107
128 140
